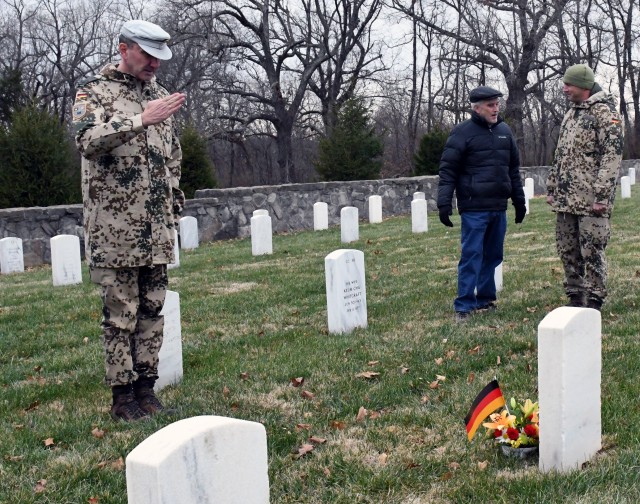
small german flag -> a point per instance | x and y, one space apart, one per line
488 400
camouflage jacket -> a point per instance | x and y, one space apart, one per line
130 174
587 158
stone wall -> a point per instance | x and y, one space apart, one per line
226 213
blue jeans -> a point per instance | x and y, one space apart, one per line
482 240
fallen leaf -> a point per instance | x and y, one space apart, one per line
244 375
446 476
305 394
483 465
498 360
412 465
526 319
13 458
40 486
303 426
37 369
304 449
362 414
32 406
471 377
49 442
454 465
382 458
317 440
97 433
424 399
368 375
531 309
93 500
439 361
440 377
474 350
296 382
434 384
326 472
118 464
85 340
450 354
225 391
373 362
338 425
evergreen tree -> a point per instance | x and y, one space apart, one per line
197 167
352 151
11 94
37 162
427 159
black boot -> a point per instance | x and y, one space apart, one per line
595 303
125 407
576 300
146 397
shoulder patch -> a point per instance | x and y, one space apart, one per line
79 111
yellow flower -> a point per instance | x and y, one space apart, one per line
529 408
500 421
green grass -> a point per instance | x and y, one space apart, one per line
250 324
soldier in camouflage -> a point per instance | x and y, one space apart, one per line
130 183
582 184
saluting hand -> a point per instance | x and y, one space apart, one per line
162 108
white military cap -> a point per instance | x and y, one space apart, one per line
150 37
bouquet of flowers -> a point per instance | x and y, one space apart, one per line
517 427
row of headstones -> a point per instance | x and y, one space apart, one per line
261 230
219 459
65 253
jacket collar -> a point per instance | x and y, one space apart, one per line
478 119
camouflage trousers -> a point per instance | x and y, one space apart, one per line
132 327
581 241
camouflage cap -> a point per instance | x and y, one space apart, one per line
150 37
580 76
483 93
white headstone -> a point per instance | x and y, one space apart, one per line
569 368
497 276
529 188
11 255
625 187
261 235
189 233
346 290
320 216
200 460
260 211
419 223
419 195
66 266
176 252
375 209
632 176
170 365
349 231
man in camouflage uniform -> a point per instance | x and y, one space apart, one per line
130 184
582 184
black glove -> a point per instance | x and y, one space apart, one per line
444 213
521 211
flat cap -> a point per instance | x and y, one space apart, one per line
483 93
150 37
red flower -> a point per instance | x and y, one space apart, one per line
531 430
497 433
512 433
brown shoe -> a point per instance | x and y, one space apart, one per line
146 397
125 407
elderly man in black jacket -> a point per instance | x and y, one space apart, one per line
482 164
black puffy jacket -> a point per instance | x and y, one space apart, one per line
481 162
